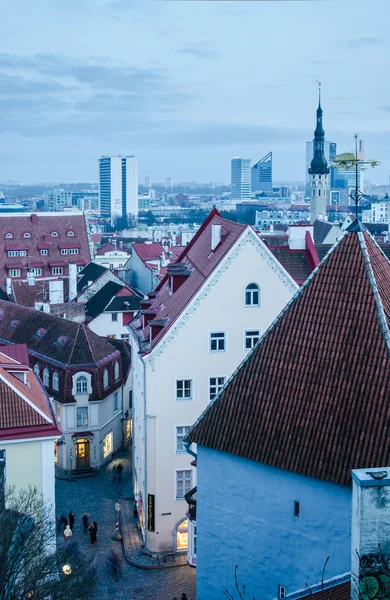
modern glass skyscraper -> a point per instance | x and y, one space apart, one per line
261 174
118 190
241 178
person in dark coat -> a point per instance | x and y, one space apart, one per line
62 523
183 596
92 533
114 563
119 469
114 473
85 519
71 519
95 530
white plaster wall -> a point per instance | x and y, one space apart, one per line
104 326
188 357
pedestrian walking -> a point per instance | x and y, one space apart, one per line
114 473
67 533
183 596
71 520
91 530
85 519
114 564
95 530
63 522
119 470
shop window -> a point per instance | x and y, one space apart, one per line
55 451
182 535
107 444
128 428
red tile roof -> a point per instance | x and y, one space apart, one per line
40 226
176 251
151 251
313 396
341 591
110 248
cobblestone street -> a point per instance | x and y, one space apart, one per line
97 496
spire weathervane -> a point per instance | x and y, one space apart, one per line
319 92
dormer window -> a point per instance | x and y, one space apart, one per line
27 235
14 323
61 341
8 236
54 234
41 333
70 233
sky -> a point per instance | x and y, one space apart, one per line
185 85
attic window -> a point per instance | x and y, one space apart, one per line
70 233
54 234
41 333
27 235
14 323
9 236
62 340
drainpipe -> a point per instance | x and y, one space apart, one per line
187 446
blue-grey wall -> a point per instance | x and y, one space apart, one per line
245 517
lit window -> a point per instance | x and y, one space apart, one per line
107 444
181 432
105 379
14 272
81 385
251 338
37 370
252 295
115 401
55 451
56 382
46 377
128 429
114 317
182 535
27 235
218 341
56 271
183 483
54 234
9 236
215 386
116 371
184 389
44 252
82 416
70 233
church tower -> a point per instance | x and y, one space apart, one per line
319 172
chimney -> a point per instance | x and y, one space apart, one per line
9 286
56 291
297 236
215 236
72 281
370 524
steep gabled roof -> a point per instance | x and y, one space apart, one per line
151 251
98 302
110 247
313 396
90 273
58 339
321 229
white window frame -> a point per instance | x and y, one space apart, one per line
27 235
44 252
176 436
190 399
12 253
114 317
70 233
225 338
282 591
79 268
209 399
73 250
37 370
55 382
57 271
36 271
251 338
82 410
23 253
82 383
64 250
106 379
46 377
251 292
190 486
14 272
117 372
8 236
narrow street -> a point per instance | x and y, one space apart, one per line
97 496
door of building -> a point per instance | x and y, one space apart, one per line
82 454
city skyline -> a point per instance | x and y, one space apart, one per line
170 102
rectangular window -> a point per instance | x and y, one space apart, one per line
130 399
57 270
55 451
82 416
13 253
252 336
35 271
181 432
183 483
297 509
215 386
14 272
73 251
125 336
218 341
23 253
114 317
128 429
184 389
44 252
115 401
107 444
64 251
79 268
282 591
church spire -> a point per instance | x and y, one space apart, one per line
319 165
319 170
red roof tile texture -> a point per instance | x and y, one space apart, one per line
39 228
313 397
151 251
342 591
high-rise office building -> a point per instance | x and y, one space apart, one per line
241 178
330 151
319 172
118 191
168 183
148 182
261 174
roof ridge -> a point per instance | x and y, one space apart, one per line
372 280
83 328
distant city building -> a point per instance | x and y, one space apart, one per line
318 172
241 178
118 177
330 151
261 174
58 200
148 182
168 183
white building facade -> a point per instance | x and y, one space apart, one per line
183 369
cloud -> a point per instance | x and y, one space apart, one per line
362 41
385 108
199 51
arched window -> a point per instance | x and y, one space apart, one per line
46 377
70 233
105 379
81 385
252 295
116 371
56 382
27 235
37 370
319 192
54 234
9 236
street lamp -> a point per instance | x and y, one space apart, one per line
117 536
67 569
